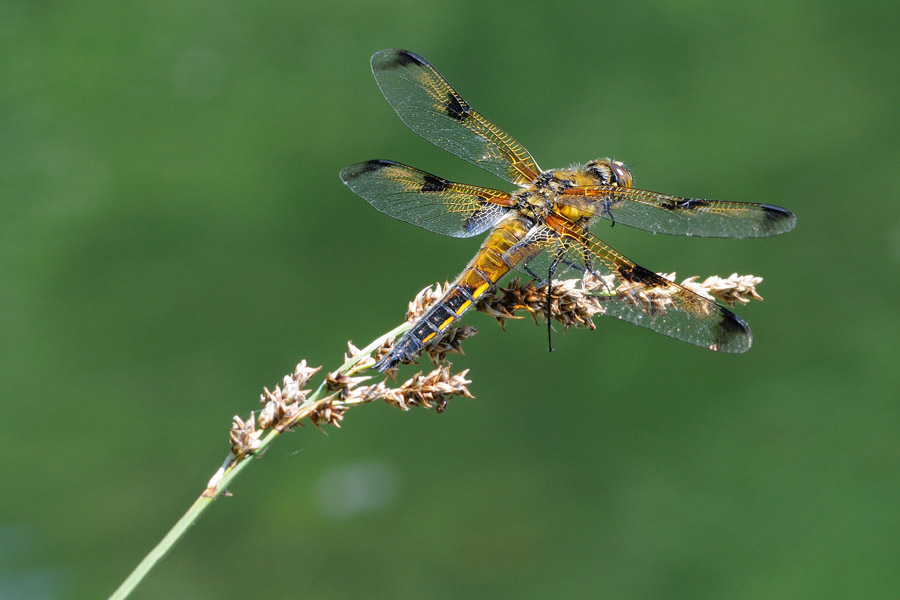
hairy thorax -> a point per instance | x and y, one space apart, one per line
537 200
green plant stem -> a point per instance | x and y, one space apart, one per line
226 474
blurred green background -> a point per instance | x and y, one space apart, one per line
174 236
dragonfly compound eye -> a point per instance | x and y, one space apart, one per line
621 174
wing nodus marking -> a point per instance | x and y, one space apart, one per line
640 275
434 183
686 204
455 107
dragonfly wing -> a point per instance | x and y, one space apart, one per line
432 108
425 200
629 292
663 213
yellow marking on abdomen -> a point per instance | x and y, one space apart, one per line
429 337
463 307
480 289
443 325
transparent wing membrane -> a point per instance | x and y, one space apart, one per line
425 200
432 108
662 213
628 291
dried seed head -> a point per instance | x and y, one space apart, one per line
574 302
652 300
424 300
328 412
431 391
449 343
340 383
736 289
570 304
352 351
303 373
267 416
244 437
280 405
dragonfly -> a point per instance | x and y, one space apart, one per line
543 227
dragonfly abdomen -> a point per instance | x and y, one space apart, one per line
458 299
480 275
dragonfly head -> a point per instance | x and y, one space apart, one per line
609 172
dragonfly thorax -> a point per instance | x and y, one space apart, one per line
534 202
540 198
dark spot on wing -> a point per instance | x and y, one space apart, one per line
359 169
686 204
730 328
402 58
374 165
776 213
435 184
455 107
475 221
776 220
638 274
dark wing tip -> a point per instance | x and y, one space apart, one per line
353 171
394 58
733 335
778 220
